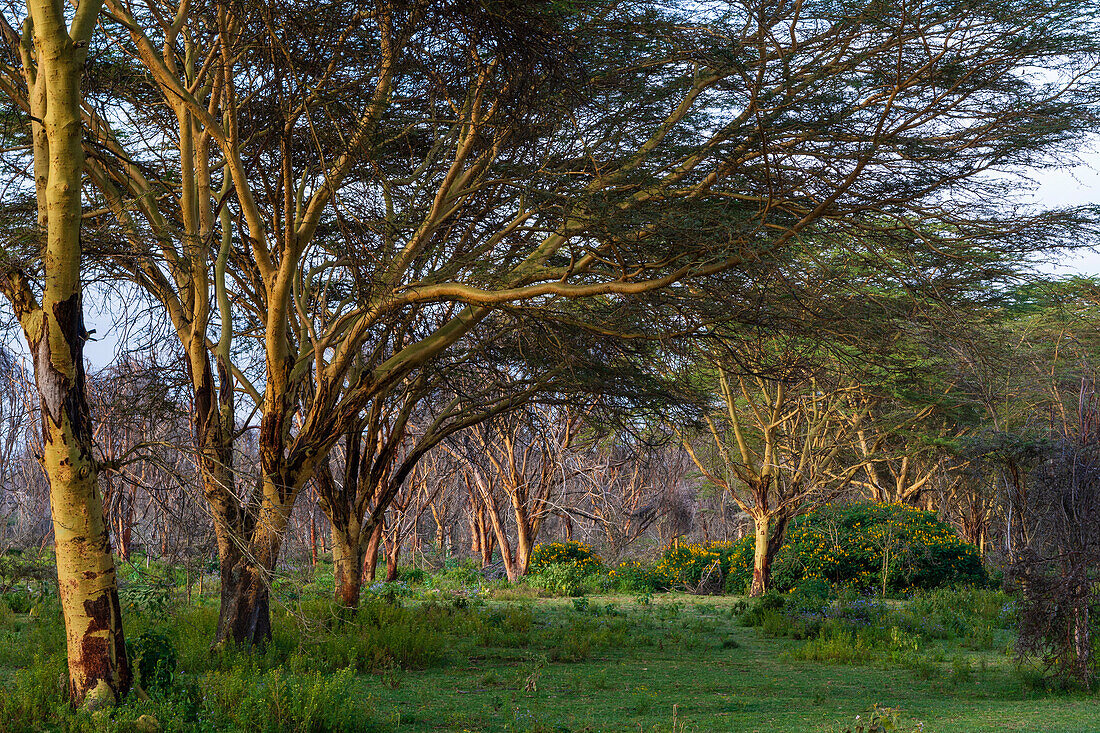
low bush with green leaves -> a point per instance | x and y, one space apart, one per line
578 555
149 593
560 578
154 659
697 567
871 547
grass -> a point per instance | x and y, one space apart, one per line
609 663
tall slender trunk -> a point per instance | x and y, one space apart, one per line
53 57
393 553
524 543
475 539
502 538
761 568
1082 642
370 556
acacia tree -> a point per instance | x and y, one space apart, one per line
53 51
480 181
777 441
476 176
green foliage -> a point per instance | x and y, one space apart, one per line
565 579
154 659
575 554
759 607
35 694
279 701
17 602
836 645
390 591
811 596
853 546
693 567
458 572
561 666
858 630
414 576
27 571
147 593
877 720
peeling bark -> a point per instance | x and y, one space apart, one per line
53 55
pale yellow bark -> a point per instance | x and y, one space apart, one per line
53 56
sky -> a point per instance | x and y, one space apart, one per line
1075 186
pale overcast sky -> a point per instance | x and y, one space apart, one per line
1076 186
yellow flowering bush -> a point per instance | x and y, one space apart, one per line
684 566
577 555
568 568
853 545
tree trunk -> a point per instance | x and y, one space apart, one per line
245 614
1082 645
370 557
502 539
347 560
393 553
769 539
99 672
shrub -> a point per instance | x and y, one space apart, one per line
34 694
146 593
27 569
760 607
856 545
463 572
18 602
836 646
414 576
565 579
154 659
635 576
280 701
577 555
701 567
809 597
691 567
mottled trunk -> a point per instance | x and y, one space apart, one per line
214 443
245 615
99 672
524 547
769 531
761 568
347 561
475 539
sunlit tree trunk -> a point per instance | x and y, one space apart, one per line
347 563
53 58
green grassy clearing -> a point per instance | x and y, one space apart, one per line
604 663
